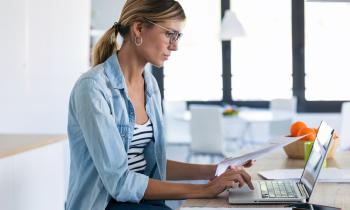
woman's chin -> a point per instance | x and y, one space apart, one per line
158 64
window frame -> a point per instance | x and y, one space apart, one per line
298 61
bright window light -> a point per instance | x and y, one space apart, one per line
194 71
261 60
327 50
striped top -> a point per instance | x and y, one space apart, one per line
143 134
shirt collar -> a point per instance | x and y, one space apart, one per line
116 76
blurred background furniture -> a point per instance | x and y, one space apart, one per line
281 126
207 131
177 131
345 125
241 127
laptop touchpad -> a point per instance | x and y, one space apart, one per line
244 193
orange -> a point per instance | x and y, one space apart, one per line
310 132
295 127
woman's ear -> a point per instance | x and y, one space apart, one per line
136 28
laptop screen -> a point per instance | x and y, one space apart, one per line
317 156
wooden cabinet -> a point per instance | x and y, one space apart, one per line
33 172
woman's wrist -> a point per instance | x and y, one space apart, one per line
164 190
197 191
210 171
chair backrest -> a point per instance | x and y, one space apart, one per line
281 127
280 104
177 131
174 107
206 129
345 125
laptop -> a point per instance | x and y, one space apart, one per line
288 191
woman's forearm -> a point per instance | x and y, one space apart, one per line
187 171
166 190
157 189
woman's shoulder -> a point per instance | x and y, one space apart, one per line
93 78
94 73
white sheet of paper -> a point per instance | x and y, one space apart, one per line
205 208
326 175
274 143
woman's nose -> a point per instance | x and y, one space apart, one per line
173 46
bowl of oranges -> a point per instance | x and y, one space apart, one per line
295 150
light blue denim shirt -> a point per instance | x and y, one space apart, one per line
100 127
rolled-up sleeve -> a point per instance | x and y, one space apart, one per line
104 143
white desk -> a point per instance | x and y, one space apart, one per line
240 126
263 115
249 115
252 116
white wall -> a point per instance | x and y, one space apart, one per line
46 48
105 13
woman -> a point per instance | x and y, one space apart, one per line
115 124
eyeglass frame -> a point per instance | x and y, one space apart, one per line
173 35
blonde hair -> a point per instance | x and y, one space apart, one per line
135 10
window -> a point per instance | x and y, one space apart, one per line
261 60
289 48
194 71
327 51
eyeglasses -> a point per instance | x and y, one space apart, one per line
171 34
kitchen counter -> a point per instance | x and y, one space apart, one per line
12 144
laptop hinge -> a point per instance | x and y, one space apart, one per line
303 191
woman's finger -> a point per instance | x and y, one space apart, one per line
240 180
229 184
248 179
240 172
236 178
249 163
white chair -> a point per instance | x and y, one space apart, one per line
284 104
177 129
345 126
287 106
207 131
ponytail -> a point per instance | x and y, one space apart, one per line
135 10
105 46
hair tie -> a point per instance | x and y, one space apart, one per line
116 26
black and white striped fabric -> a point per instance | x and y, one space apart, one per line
143 134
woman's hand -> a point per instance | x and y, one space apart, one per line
247 164
211 169
226 181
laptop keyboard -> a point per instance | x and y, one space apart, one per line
277 189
